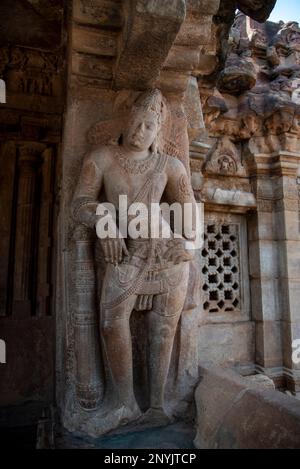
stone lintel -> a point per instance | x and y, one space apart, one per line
212 206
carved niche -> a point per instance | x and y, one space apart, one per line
32 72
224 159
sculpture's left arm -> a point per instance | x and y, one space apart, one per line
179 190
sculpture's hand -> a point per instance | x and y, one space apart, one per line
177 252
113 250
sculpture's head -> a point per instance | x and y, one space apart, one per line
145 121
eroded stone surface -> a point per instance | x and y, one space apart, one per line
241 413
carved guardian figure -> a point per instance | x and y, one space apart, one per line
146 275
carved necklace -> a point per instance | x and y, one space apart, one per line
131 166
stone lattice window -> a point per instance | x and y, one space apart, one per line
221 268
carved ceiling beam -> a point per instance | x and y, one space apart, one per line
150 30
95 31
184 57
178 76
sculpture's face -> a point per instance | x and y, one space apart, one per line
141 131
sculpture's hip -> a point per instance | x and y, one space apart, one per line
142 276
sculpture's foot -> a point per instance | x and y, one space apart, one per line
154 417
117 417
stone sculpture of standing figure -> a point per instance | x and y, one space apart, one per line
141 274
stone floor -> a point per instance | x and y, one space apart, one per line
175 436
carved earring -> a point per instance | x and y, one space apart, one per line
154 146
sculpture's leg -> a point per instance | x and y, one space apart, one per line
121 407
162 331
163 321
117 344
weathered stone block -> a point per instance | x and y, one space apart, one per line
293 292
232 343
182 58
269 344
261 226
207 64
289 259
265 301
293 259
207 7
91 41
287 225
87 65
194 32
263 259
98 13
235 413
261 382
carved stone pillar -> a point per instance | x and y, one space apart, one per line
89 375
43 290
264 270
26 229
8 170
274 265
287 229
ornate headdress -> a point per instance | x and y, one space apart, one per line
172 138
151 101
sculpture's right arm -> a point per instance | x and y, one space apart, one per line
85 200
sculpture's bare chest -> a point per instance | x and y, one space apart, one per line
147 187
